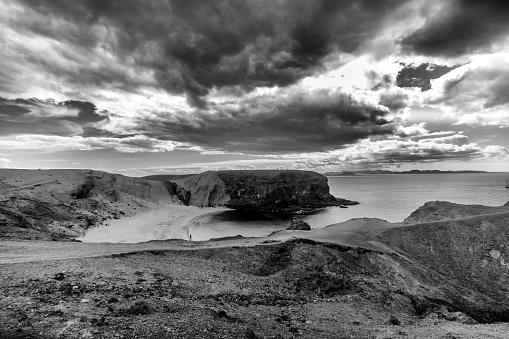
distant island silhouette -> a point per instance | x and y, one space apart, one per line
353 173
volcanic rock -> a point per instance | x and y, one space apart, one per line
273 191
298 225
469 252
63 204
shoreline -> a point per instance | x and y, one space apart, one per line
171 221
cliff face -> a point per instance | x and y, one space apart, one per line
266 191
60 204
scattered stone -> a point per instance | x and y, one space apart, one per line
59 276
456 316
495 254
99 321
283 318
393 320
222 314
112 300
293 329
59 310
250 334
86 334
270 241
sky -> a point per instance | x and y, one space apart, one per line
184 86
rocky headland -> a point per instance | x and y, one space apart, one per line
272 191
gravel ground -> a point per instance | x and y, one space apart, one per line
287 290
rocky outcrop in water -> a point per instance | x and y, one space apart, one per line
298 225
271 191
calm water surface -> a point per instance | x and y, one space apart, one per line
393 197
386 196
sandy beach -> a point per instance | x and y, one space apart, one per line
170 221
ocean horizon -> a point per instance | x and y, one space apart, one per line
393 197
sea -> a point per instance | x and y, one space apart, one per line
391 197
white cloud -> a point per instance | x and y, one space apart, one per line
397 152
493 116
494 151
52 143
413 130
475 94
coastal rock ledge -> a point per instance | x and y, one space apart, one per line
272 191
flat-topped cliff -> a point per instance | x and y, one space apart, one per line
275 191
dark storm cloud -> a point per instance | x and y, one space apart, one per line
11 110
87 112
28 116
420 75
320 122
192 46
464 26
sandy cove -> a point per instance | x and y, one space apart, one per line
165 222
138 234
174 221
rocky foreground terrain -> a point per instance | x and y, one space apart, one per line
442 273
438 279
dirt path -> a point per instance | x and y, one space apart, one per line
12 251
27 251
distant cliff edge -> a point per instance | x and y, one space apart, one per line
274 191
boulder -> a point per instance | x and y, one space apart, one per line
298 225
